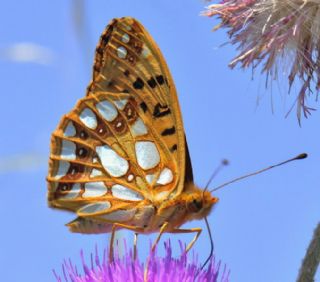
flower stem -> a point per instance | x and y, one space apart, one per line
311 260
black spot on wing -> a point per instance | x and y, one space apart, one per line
64 187
173 148
106 37
168 131
99 50
152 82
82 152
161 111
75 171
126 73
144 106
138 84
83 135
160 79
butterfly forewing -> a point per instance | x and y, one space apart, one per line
128 60
123 144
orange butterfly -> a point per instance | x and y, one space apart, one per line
120 159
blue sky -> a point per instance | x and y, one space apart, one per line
261 226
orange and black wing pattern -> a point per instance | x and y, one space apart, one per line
122 144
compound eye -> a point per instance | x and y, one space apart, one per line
195 205
198 204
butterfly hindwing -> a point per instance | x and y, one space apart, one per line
103 145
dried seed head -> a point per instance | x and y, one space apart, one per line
280 35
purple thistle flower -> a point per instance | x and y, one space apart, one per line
127 269
280 34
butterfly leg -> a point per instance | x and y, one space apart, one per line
135 241
162 230
116 226
192 230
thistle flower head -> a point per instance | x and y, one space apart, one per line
275 33
128 269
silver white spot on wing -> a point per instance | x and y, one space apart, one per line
165 177
107 110
124 193
125 38
147 154
88 118
120 104
128 27
119 124
150 178
122 52
138 128
114 164
145 52
69 130
161 196
130 177
68 150
96 172
94 189
74 192
119 215
93 208
62 169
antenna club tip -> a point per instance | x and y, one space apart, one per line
301 156
225 162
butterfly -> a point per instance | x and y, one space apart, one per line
119 159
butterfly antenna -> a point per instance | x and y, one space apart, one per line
299 157
223 163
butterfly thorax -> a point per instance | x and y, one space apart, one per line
192 204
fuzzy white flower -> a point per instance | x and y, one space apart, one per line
274 33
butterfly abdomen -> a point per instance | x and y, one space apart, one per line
89 226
